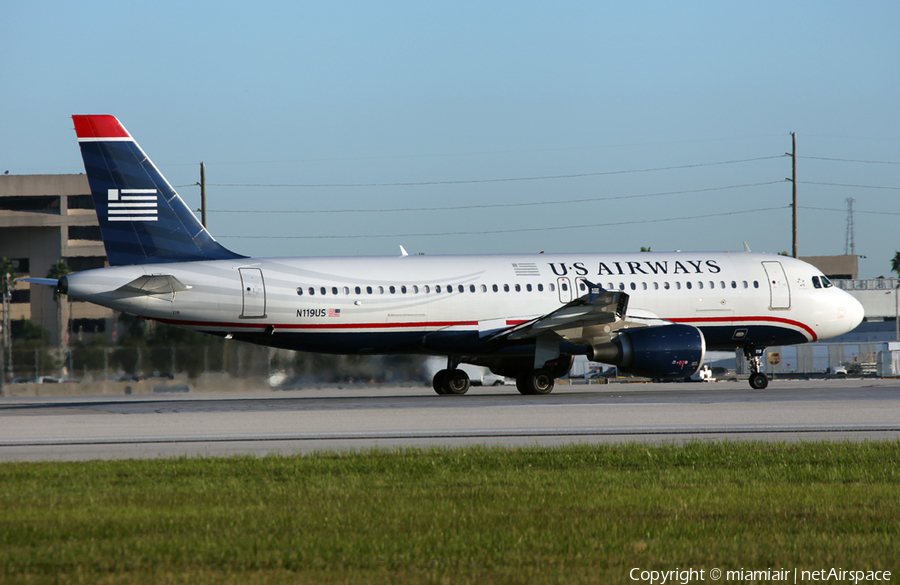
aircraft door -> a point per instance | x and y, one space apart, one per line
779 290
253 292
565 289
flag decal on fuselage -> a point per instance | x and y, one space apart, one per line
132 205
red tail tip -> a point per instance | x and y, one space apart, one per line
99 127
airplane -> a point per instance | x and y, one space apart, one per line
524 316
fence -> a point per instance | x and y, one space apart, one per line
236 359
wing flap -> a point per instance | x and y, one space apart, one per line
598 307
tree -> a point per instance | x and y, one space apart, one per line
645 248
7 284
57 271
895 263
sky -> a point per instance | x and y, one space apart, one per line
352 128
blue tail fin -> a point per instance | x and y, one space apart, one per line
142 218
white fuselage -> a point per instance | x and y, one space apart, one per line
451 304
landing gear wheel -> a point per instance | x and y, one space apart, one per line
535 382
758 381
438 382
455 382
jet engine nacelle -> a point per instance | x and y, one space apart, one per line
663 351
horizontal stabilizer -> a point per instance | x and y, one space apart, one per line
154 284
41 281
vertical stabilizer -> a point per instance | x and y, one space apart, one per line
142 218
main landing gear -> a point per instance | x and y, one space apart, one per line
451 380
758 380
535 382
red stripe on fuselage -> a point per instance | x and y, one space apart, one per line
99 127
738 321
263 324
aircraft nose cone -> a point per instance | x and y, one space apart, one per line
853 312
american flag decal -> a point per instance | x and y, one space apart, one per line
526 269
334 312
131 205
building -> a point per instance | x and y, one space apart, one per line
845 267
44 219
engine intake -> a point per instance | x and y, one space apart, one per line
663 351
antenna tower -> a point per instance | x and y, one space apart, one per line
850 247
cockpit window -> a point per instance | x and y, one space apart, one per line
826 283
816 283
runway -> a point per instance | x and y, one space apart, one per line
333 419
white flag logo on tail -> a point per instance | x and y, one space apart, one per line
132 205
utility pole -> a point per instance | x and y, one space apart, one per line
203 194
794 184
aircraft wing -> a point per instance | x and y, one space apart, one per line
598 307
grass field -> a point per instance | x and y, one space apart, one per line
581 514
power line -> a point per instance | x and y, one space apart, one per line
845 185
501 180
854 211
496 205
510 231
870 162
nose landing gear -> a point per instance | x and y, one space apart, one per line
758 380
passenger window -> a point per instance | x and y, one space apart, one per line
450 288
381 290
437 288
322 290
518 288
712 284
540 287
415 289
505 288
755 284
621 286
655 286
471 288
358 290
368 290
700 285
403 289
300 291
427 289
733 284
565 286
460 288
678 285
721 284
484 288
644 284
552 287
334 290
746 285
392 289
581 286
633 286
346 290
666 285
528 287
611 286
688 284
494 288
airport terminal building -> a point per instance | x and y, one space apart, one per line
44 219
